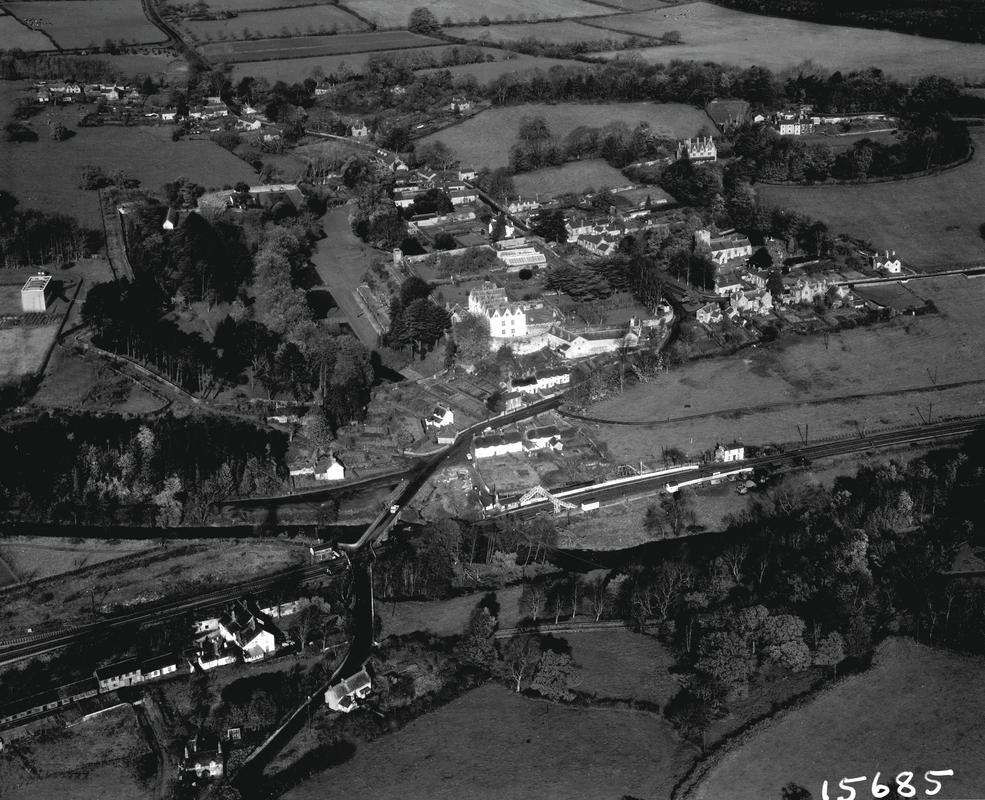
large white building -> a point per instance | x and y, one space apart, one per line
700 148
506 320
36 293
724 247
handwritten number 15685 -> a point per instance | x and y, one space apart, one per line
904 785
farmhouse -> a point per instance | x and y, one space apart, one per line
701 148
889 263
440 417
254 636
36 293
343 695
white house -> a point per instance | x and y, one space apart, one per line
460 105
701 148
343 695
329 469
467 173
203 756
36 293
547 436
573 345
755 301
254 637
440 417
520 204
729 452
890 264
210 625
709 314
506 319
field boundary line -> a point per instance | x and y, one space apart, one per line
57 49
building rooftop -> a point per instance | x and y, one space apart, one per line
36 283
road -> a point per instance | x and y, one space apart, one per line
341 260
651 485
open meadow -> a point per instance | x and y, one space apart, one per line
494 743
564 32
488 71
394 13
713 33
75 24
445 617
33 557
94 760
933 723
307 20
930 222
308 46
23 349
14 34
485 139
764 393
574 177
47 172
622 664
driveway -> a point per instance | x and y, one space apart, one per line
341 260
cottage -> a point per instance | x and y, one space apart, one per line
460 105
254 636
889 264
343 695
115 676
461 196
358 130
440 417
519 205
171 220
547 436
592 342
329 468
37 293
727 453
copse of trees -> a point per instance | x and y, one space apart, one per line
31 237
416 321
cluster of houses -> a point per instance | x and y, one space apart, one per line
501 443
55 92
241 634
409 185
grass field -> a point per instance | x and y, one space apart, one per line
22 350
15 35
918 709
563 32
712 33
574 177
445 617
47 172
492 743
797 370
305 46
210 563
94 760
485 139
308 20
394 13
32 558
928 221
637 5
239 6
622 664
74 24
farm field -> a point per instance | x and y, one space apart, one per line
930 221
32 558
712 33
184 567
47 172
13 34
260 49
394 13
541 750
574 177
74 24
239 6
515 62
638 5
308 20
485 139
564 32
94 760
855 729
623 664
810 377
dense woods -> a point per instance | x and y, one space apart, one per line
29 236
109 469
